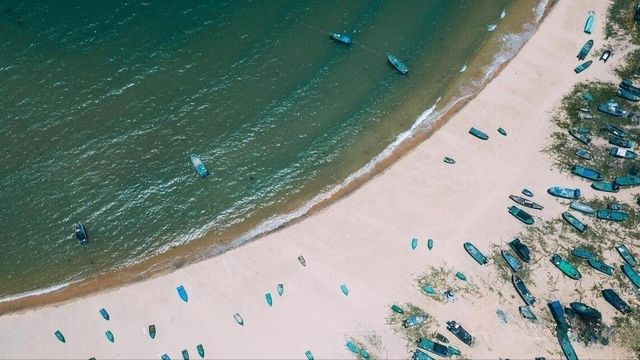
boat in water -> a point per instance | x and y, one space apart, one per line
522 290
198 165
584 138
623 250
460 332
606 186
612 108
566 267
511 260
525 202
616 301
612 215
583 208
631 274
573 221
584 51
521 215
520 249
584 154
475 253
587 173
601 266
433 347
81 233
563 192
341 38
399 65
622 153
582 67
582 253
588 25
628 180
605 56
479 134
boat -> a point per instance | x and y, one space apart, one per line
421 355
414 243
479 134
587 173
475 253
586 311
344 289
582 253
182 293
565 344
582 137
617 141
302 261
185 354
109 336
309 355
462 334
199 166
566 267
581 207
616 130
606 186
442 338
280 289
579 225
429 290
588 25
628 85
527 192
628 95
397 309
587 96
612 297
600 266
522 290
584 51
631 274
615 206
200 349
564 192
622 153
449 160
612 108
584 154
582 67
605 56
511 260
557 312
502 131
525 202
628 180
352 347
399 65
626 254
165 357
152 331
612 215
521 250
341 38
585 115
521 215
414 320
430 244
454 351
81 233
636 17
527 313
269 299
461 276
238 319
433 347
59 336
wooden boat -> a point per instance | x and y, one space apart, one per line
600 266
414 320
344 289
583 208
280 289
615 206
628 95
449 160
616 301
399 65
525 202
165 357
341 38
502 131
566 267
583 138
352 347
309 355
586 311
584 154
577 224
454 351
421 355
511 260
182 293
612 108
475 253
105 314
582 67
582 253
527 313
152 331
397 309
200 349
460 332
302 261
626 254
617 141
605 56
443 339
109 336
414 243
612 215
198 165
631 274
557 312
628 180
461 276
565 344
81 233
433 347
521 250
622 153
522 290
185 354
479 134
59 336
527 192
564 192
606 186
587 173
238 319
269 299
616 130
430 244
588 25
584 51
521 215
628 85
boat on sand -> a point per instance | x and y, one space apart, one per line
521 215
616 301
586 173
612 215
522 290
566 267
475 253
601 266
606 186
479 134
591 19
525 202
626 254
511 260
631 274
581 207
582 67
460 332
584 51
579 225
562 192
521 250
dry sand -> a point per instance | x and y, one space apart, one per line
363 240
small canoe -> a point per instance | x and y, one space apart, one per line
615 206
302 261
81 233
628 95
586 173
581 207
583 138
364 354
577 224
612 108
397 309
449 160
564 192
525 202
566 267
269 299
606 186
344 289
109 336
429 290
605 56
618 141
626 254
460 332
502 131
352 347
616 301
527 313
582 253
309 355
522 290
200 349
584 51
588 25
421 355
622 153
600 266
584 154
182 293
527 192
511 260
104 313
165 357
414 243
521 215
443 339
521 250
631 274
433 347
280 289
399 65
60 337
475 253
582 67
414 320
430 244
238 319
185 354
565 344
612 215
152 331
479 134
341 38
199 166
586 311
628 180
616 130
454 351
461 276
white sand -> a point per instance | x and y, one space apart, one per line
363 240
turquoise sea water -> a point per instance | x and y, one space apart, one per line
102 103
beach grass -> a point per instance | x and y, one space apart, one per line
411 334
620 21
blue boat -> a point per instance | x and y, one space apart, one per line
582 67
585 50
165 357
527 192
104 313
582 253
521 249
586 311
475 253
341 38
623 143
199 166
583 208
577 224
352 347
606 186
109 336
399 65
182 293
511 260
612 297
522 290
564 192
557 311
434 347
588 25
421 355
631 274
81 233
200 349
309 355
269 299
479 134
587 173
414 243
344 289
60 337
626 254
185 354
601 266
612 108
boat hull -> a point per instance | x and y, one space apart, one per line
566 267
521 215
475 253
573 221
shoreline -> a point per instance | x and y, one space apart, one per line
185 254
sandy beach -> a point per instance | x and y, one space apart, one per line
363 241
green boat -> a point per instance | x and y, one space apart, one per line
521 215
421 355
414 243
461 276
60 337
109 336
502 131
583 208
434 347
185 354
620 142
511 260
588 25
582 67
584 154
631 274
582 253
582 137
269 299
309 355
565 343
606 186
397 309
152 331
522 290
479 134
566 267
586 173
626 94
344 289
564 192
429 290
584 51
616 130
626 254
200 349
341 38
622 153
612 215
475 253
600 266
579 225
628 180
454 350
399 65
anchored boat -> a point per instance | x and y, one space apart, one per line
198 165
152 331
399 65
341 38
521 215
525 202
81 233
586 173
579 225
60 337
585 50
475 253
566 267
182 293
479 134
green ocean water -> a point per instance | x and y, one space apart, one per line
102 102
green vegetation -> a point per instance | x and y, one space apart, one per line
442 279
630 68
620 21
411 334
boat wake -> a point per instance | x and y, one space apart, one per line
464 68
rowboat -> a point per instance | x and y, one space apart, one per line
582 137
397 309
414 243
582 253
522 290
584 51
582 67
617 141
302 261
606 186
605 56
430 244
352 347
587 173
165 357
460 332
579 225
622 153
600 266
152 331
616 301
341 38
616 130
200 349
309 355
109 336
583 208
182 293
59 336
612 215
527 192
502 131
399 65
81 233
479 134
433 347
584 154
198 165
269 299
628 180
185 354
449 160
566 267
525 202
521 250
344 289
631 274
564 192
238 319
421 355
429 290
628 95
280 289
588 25
475 253
521 215
612 108
626 254
511 260
104 313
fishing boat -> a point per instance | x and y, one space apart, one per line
626 254
397 309
414 243
582 253
612 215
612 108
479 134
200 349
165 357
606 186
631 274
238 319
352 347
582 137
615 206
525 202
344 289
421 355
605 56
521 250
557 312
475 253
591 19
502 131
433 347
566 267
442 338
564 192
449 160
584 51
628 180
616 130
399 65
527 313
59 336
302 261
586 311
105 314
622 153
199 166
511 260
573 221
628 95
185 354
600 266
628 85
414 320
522 290
461 276
81 233
460 332
182 293
430 244
341 38
152 331
109 336
584 154
612 297
454 351
309 355
587 173
617 141
582 67
565 344
521 215
269 299
583 208
280 289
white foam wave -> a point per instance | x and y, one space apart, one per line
503 14
34 292
464 68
